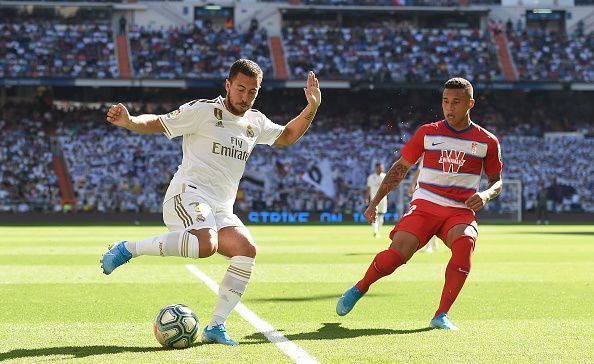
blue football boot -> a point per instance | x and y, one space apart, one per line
347 301
442 321
114 257
218 335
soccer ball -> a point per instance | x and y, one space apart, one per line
176 326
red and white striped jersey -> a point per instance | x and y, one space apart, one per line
452 161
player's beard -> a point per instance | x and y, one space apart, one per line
232 107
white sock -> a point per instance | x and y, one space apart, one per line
232 288
176 243
375 225
380 221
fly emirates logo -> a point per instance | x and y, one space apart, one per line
233 151
451 160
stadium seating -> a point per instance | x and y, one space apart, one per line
377 51
552 56
123 178
114 170
196 51
50 48
27 181
390 52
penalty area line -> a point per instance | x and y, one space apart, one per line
292 350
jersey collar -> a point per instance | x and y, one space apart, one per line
229 114
458 131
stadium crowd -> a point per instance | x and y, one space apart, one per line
52 48
379 50
114 170
195 51
541 55
390 51
27 178
449 3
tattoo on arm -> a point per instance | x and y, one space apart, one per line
309 117
393 178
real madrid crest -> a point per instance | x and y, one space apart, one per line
218 113
250 131
199 216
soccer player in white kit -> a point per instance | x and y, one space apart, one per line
218 137
374 182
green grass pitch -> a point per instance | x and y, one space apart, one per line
529 298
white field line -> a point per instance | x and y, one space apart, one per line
293 351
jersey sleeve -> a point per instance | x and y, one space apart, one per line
185 120
369 181
493 162
269 131
415 147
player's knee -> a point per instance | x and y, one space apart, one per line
250 250
209 249
471 232
207 242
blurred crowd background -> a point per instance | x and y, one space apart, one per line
546 133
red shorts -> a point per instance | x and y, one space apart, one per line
425 219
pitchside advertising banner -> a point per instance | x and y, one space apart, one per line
275 217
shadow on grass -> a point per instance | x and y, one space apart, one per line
333 330
75 351
320 297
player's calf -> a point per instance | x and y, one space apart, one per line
456 273
192 244
207 242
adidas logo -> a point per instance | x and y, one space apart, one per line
235 292
219 124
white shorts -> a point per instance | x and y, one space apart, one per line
190 211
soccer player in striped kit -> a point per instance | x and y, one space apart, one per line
454 153
218 137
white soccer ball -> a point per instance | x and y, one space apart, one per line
176 326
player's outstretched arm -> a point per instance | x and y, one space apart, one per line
480 199
392 179
299 125
118 115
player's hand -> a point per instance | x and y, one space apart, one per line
371 213
477 201
312 90
118 115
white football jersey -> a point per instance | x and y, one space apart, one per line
374 182
216 146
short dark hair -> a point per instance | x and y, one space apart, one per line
247 67
461 84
